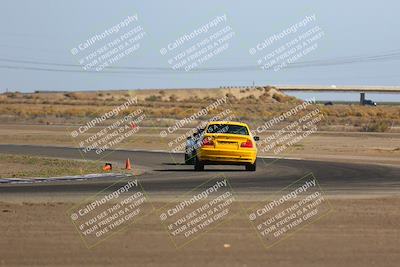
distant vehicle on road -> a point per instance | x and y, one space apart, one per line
329 103
226 143
368 103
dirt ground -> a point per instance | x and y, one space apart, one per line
358 232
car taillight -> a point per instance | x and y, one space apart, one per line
247 144
207 142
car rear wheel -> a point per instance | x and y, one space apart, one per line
251 167
198 165
187 159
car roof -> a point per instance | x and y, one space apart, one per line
228 123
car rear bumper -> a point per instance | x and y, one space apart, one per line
220 156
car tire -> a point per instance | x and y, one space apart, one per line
187 159
251 167
198 165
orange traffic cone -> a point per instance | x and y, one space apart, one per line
107 167
128 164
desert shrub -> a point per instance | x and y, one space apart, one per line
173 98
277 97
230 95
71 95
380 126
209 99
249 99
380 114
14 95
153 98
285 99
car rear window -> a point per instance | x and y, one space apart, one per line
228 128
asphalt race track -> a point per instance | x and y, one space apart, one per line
164 174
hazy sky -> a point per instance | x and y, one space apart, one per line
363 33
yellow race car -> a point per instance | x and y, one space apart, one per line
226 143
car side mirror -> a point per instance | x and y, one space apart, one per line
256 138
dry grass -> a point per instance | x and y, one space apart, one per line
251 105
31 166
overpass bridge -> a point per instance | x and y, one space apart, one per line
333 88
